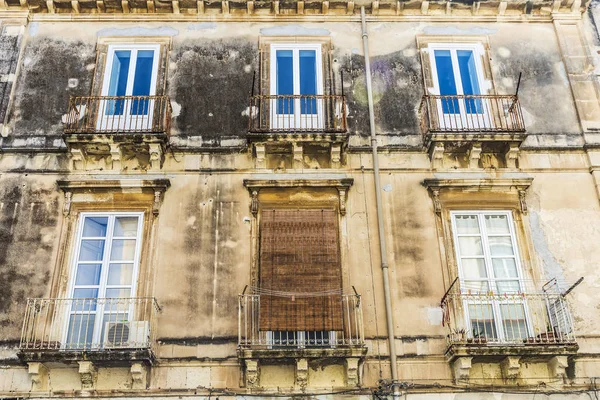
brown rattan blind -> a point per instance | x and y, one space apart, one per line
299 253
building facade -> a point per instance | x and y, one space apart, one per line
299 198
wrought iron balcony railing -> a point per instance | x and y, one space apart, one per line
89 324
486 114
297 114
296 321
507 318
119 114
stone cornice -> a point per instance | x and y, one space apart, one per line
312 10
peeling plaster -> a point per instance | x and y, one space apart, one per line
202 26
550 265
294 30
162 31
34 27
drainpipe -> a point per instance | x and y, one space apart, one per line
382 243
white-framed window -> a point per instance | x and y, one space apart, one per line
129 82
459 80
104 275
301 339
296 79
489 266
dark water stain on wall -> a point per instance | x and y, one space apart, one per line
212 82
52 70
28 220
397 92
9 55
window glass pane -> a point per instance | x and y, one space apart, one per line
308 80
142 81
446 82
120 274
81 330
118 294
467 224
475 286
497 224
500 245
473 268
95 226
126 226
470 83
91 250
88 274
118 81
470 246
285 80
482 321
508 286
513 321
122 250
84 299
505 267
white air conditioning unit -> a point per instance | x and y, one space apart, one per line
131 334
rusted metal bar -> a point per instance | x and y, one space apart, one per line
297 113
471 113
119 115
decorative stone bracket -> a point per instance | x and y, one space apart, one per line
39 376
72 187
341 184
462 368
139 375
88 374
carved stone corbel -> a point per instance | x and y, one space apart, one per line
511 366
88 374
39 376
511 155
302 373
437 154
437 205
115 156
462 368
522 201
558 366
139 376
78 158
156 156
336 155
342 191
156 203
67 205
251 373
298 155
254 203
352 373
474 154
260 150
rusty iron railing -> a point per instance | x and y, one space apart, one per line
297 113
471 113
89 324
119 114
507 318
350 331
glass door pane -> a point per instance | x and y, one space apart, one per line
308 81
285 81
142 81
470 83
446 81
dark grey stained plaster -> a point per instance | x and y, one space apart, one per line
28 220
397 93
52 70
211 82
9 56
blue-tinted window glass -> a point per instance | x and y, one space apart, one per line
95 227
142 81
88 274
118 81
81 331
308 81
445 75
285 81
468 77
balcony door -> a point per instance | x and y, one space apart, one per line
491 276
105 268
128 86
296 83
458 80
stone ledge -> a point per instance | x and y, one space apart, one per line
100 358
293 353
530 352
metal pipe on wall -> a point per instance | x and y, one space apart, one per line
382 241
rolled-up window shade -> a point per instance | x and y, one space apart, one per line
300 272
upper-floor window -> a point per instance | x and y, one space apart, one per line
296 81
105 268
488 261
129 85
